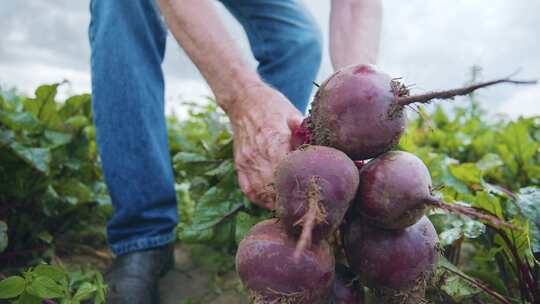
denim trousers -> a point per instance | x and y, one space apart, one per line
127 39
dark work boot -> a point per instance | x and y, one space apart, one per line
133 278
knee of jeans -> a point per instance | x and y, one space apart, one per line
309 46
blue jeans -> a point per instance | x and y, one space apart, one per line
127 39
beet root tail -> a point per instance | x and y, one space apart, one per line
313 216
404 100
470 212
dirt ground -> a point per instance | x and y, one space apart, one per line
184 284
186 281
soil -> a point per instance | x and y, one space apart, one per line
184 284
188 282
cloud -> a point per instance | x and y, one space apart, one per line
51 32
525 102
434 43
182 90
430 43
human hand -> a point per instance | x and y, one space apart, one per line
262 120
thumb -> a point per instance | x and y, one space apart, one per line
297 134
294 122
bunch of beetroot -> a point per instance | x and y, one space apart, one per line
327 204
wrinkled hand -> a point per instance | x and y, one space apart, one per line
262 121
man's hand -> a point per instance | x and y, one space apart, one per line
262 120
261 117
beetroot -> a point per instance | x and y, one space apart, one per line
351 112
266 266
394 190
392 247
359 110
401 260
314 186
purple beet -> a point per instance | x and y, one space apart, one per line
402 260
394 190
351 112
315 186
360 110
268 270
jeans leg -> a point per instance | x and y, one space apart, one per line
127 39
285 40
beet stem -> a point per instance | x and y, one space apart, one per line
470 212
310 218
450 94
480 285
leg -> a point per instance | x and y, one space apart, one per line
286 42
127 39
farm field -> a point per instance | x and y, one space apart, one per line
54 203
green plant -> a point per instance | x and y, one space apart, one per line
50 179
491 165
53 284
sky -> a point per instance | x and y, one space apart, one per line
432 44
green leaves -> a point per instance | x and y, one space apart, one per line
454 227
529 202
38 158
19 121
77 122
489 162
51 272
46 288
468 173
46 282
453 282
483 164
44 106
519 151
76 105
515 136
84 292
48 167
56 139
74 191
11 287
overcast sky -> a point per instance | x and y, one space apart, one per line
432 44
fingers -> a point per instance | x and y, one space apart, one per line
261 140
267 197
244 184
264 197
